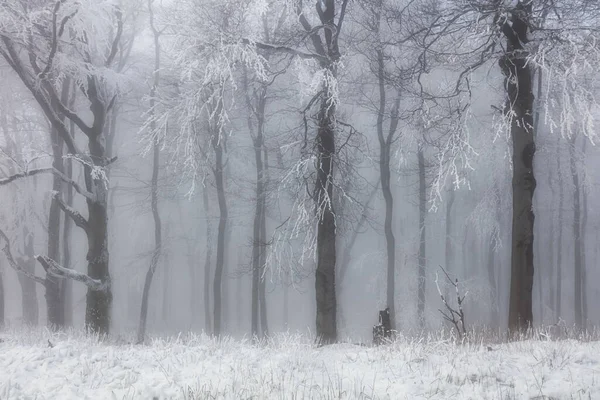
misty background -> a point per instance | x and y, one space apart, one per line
180 136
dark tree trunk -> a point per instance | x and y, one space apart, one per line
207 263
327 48
98 305
217 142
326 230
385 176
577 243
153 185
519 105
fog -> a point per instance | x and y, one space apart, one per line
136 165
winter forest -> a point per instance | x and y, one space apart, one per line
349 170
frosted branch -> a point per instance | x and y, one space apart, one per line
53 268
75 215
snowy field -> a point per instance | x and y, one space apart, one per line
197 367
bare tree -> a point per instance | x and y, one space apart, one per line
37 72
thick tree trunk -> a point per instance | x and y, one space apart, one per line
422 240
519 105
153 186
223 216
577 243
98 305
326 230
207 263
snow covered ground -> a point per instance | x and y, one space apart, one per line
197 367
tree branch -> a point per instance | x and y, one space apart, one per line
53 268
54 171
75 215
56 33
14 265
285 49
115 44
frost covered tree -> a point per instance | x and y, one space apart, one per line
44 43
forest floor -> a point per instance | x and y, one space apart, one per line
44 365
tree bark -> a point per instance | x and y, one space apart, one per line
422 240
519 105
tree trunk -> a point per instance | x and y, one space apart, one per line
53 298
559 244
286 306
98 305
449 246
223 215
577 244
258 220
207 263
326 231
264 325
584 220
66 288
491 258
2 300
153 185
28 286
552 242
422 239
519 105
